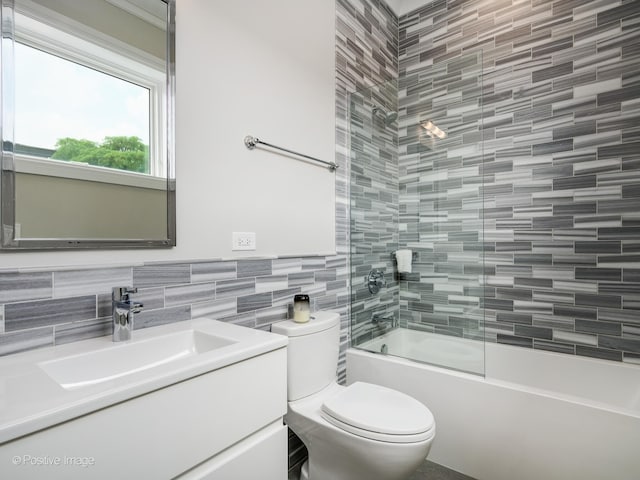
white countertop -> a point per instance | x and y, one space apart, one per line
30 400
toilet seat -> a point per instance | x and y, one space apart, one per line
379 413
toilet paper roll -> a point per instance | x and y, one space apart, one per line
403 257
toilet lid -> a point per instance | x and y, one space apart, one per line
379 413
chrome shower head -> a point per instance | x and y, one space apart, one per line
387 117
391 117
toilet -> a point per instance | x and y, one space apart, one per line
360 432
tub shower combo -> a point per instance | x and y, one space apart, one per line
496 323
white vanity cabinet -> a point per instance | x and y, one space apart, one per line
223 424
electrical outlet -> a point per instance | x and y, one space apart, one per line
243 241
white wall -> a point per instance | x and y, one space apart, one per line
266 69
245 67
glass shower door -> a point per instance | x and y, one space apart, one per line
435 219
373 210
441 167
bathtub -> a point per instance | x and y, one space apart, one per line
534 415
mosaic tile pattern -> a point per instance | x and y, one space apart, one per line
558 174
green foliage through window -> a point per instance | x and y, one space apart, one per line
122 153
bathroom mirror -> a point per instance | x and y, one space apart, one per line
87 124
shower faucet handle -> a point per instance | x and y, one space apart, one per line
375 280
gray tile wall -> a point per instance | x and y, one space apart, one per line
367 67
51 307
560 166
441 197
373 206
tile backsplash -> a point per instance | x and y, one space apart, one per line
52 307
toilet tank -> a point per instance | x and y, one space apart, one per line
312 353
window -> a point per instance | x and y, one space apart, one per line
81 101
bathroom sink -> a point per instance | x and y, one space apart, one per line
90 368
48 386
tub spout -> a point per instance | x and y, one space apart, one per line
385 321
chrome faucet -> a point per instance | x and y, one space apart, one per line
123 309
384 320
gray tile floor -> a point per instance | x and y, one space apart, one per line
432 471
427 471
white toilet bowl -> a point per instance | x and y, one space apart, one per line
359 432
350 448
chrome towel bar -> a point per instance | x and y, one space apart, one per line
250 142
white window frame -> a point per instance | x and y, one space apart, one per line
108 55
